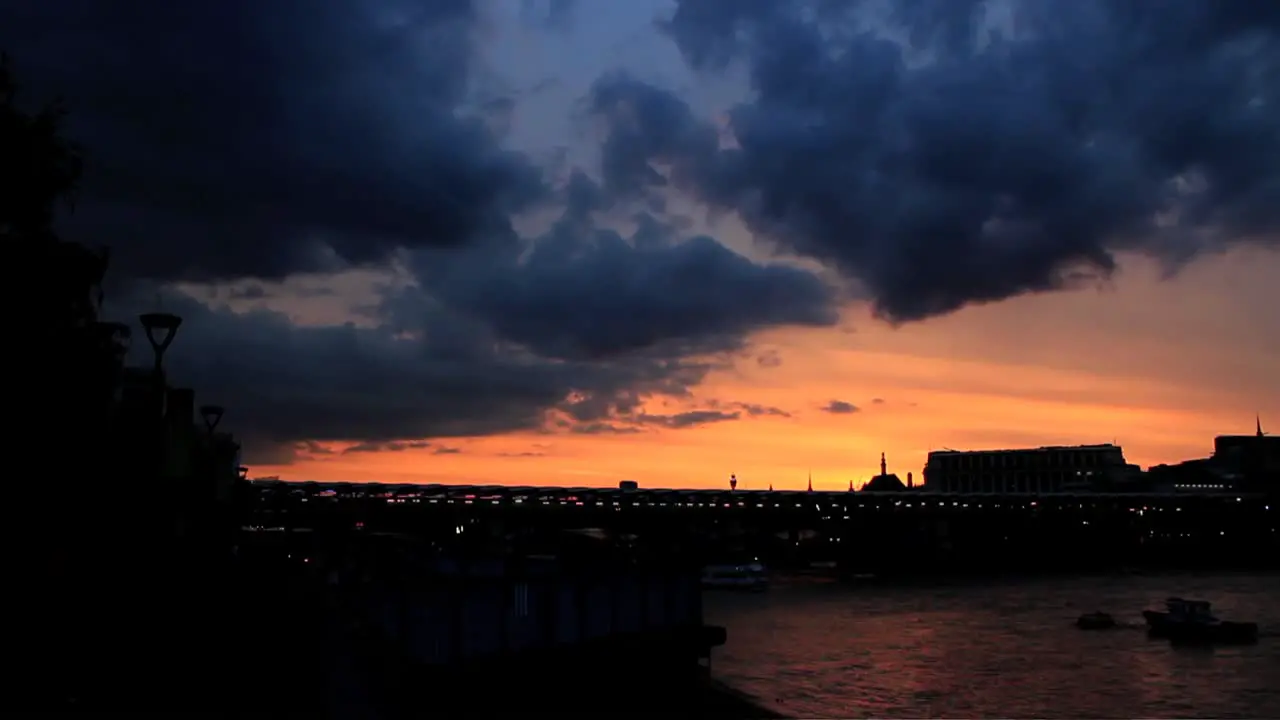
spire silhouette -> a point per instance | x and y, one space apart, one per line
810 481
1258 418
884 467
850 486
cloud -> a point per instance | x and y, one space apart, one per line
337 136
235 144
384 446
981 161
769 358
840 407
755 410
383 388
584 292
236 139
692 418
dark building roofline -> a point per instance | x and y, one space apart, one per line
1045 448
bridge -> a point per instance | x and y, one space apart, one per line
859 531
537 497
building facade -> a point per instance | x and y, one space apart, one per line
1033 470
1240 463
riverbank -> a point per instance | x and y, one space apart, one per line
401 689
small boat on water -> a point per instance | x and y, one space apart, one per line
1192 621
736 576
1095 621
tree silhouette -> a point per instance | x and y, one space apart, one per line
64 369
56 284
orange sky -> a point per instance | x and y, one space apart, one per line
1159 366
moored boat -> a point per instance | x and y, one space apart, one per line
1192 621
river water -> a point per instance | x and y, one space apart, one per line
810 649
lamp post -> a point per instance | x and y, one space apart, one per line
160 322
212 415
160 328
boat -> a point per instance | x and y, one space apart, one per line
1193 621
737 576
1095 621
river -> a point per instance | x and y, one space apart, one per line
810 649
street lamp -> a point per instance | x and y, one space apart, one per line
160 322
212 415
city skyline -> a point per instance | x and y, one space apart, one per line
564 244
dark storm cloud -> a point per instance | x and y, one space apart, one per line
434 368
972 171
236 140
240 138
284 384
583 292
840 407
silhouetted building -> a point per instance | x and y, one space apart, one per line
1193 476
1032 470
1249 461
885 481
1238 463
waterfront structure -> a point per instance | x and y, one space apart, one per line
1040 470
1248 463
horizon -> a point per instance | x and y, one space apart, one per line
858 482
571 244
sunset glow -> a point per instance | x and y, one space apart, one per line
1159 366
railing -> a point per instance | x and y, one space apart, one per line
447 620
446 609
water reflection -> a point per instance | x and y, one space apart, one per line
1001 650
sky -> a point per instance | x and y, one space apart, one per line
549 242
